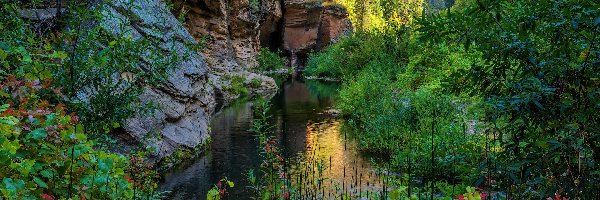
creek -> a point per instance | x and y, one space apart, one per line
315 146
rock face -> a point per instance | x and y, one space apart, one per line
235 30
334 25
186 99
229 28
308 26
190 95
232 32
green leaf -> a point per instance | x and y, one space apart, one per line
50 119
40 182
79 128
46 173
12 147
80 137
230 183
3 54
4 107
38 134
213 194
597 21
62 55
26 59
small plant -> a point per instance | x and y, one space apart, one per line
46 153
255 5
255 83
236 85
219 191
472 194
274 183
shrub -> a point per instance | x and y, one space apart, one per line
539 80
271 61
46 154
99 73
236 85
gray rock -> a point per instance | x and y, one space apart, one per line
186 99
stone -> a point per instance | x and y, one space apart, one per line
186 99
310 26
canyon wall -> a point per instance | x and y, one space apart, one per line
234 31
230 33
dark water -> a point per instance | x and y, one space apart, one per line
308 136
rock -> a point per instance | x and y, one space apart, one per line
301 26
309 26
235 32
334 25
40 14
232 30
186 100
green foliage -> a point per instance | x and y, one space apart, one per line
350 55
540 81
511 83
255 83
219 191
273 184
236 85
254 5
100 73
377 15
46 154
271 61
395 98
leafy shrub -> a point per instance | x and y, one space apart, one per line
350 55
394 95
46 154
236 85
271 61
539 81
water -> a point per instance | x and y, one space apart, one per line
309 137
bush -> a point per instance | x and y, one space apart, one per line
350 55
539 81
99 73
236 85
394 95
46 154
271 61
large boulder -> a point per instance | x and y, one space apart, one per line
186 100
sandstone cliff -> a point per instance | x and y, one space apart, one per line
234 31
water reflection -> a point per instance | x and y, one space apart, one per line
309 139
331 164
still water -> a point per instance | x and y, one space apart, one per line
312 140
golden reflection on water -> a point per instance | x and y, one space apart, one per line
331 166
